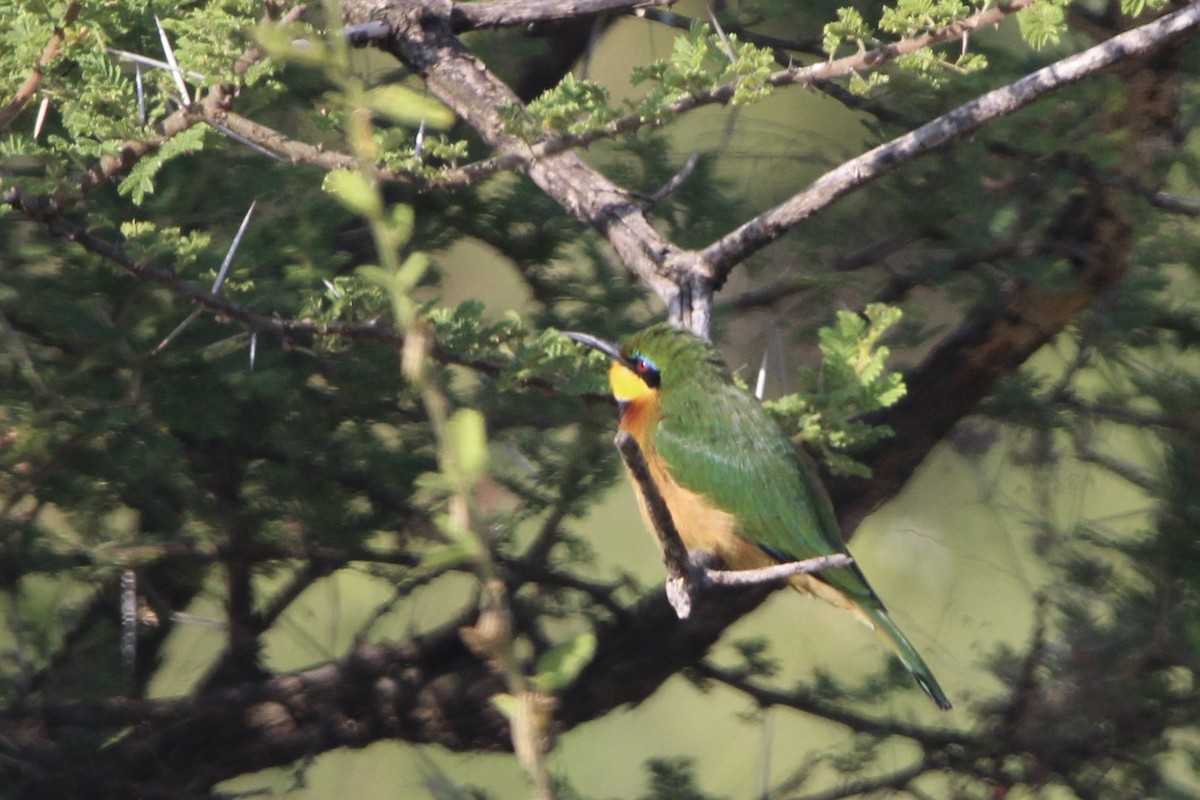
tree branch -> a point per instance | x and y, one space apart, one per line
723 255
820 73
28 89
897 780
45 211
1091 233
765 697
514 13
423 40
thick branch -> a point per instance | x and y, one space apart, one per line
423 40
515 13
794 75
724 254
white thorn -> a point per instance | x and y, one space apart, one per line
725 45
147 61
760 387
253 145
41 117
180 84
420 139
233 246
178 330
141 92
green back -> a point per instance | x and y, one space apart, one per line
718 441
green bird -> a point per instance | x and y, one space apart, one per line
734 483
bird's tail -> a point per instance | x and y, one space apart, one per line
899 644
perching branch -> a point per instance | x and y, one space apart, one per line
688 573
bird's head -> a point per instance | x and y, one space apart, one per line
661 358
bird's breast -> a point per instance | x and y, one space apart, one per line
701 525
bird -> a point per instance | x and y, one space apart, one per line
733 481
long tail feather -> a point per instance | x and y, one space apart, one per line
899 644
874 616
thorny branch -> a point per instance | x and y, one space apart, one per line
290 717
287 330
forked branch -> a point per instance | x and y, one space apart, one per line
727 252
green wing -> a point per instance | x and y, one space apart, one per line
732 451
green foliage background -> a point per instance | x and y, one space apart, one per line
306 492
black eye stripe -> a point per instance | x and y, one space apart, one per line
645 369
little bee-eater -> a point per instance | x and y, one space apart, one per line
734 484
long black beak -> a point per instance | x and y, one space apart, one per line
608 348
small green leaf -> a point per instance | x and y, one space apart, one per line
558 668
412 270
850 26
507 705
1042 24
444 556
466 437
403 105
403 219
284 44
355 192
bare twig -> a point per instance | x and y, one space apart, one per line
896 780
677 180
684 23
928 737
21 355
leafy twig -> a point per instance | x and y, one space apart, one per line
28 89
724 254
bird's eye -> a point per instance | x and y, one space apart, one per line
645 368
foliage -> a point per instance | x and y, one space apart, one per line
574 106
672 779
850 383
346 495
699 62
